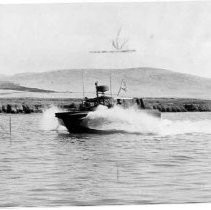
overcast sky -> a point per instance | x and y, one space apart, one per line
174 36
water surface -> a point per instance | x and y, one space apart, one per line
45 167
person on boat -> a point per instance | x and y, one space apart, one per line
119 102
140 103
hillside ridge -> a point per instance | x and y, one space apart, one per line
141 82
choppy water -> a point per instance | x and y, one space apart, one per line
42 166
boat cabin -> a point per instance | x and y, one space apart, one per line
90 104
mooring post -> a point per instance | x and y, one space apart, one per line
10 126
117 172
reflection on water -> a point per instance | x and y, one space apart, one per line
51 168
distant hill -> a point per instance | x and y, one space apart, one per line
141 82
12 86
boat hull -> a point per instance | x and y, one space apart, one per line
75 121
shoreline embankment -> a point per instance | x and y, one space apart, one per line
37 105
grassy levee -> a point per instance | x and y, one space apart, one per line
36 105
178 104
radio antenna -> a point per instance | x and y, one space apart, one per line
110 84
83 81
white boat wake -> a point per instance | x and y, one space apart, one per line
130 120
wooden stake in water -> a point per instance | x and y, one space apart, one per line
117 171
10 126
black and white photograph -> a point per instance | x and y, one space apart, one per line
105 103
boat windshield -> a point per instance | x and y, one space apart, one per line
94 102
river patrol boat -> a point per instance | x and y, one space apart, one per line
74 120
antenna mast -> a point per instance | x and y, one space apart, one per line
83 81
110 84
